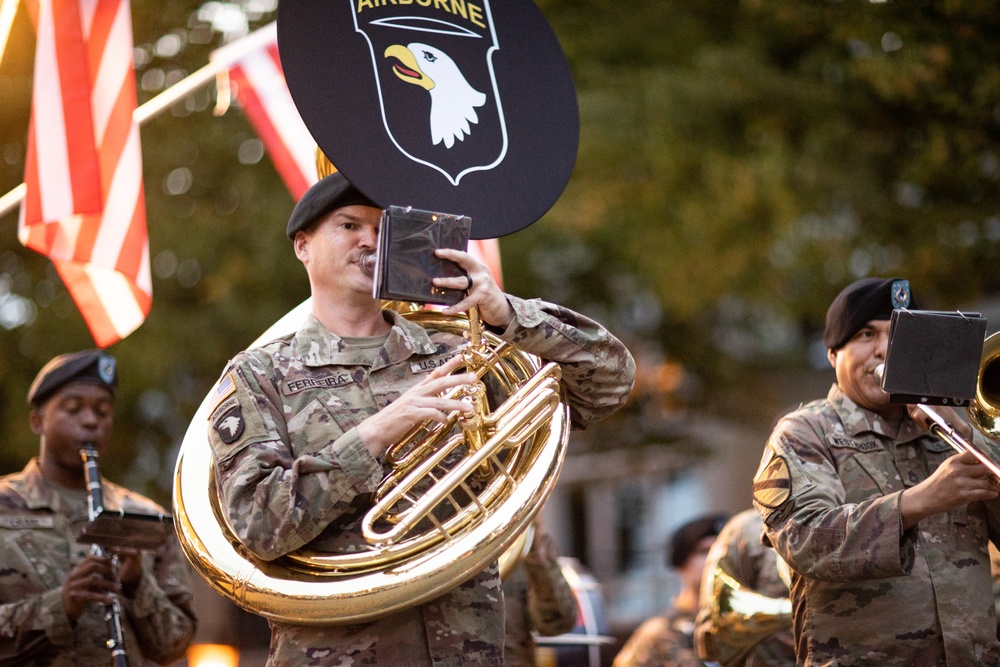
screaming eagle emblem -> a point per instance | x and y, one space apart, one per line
438 94
465 106
453 100
230 425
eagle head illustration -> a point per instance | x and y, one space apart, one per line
453 100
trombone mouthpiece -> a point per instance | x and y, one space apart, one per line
879 373
367 263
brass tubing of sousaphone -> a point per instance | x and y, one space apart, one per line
311 590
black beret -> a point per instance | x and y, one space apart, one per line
324 196
861 302
686 538
91 366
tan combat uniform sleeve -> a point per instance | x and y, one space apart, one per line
598 370
162 611
803 500
552 606
32 625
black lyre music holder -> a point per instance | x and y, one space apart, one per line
933 356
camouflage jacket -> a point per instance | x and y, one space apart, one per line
293 471
661 641
995 572
38 548
538 599
864 591
739 553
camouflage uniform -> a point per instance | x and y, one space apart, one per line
293 471
537 598
995 572
739 553
864 591
661 641
38 548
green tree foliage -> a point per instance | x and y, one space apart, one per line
739 163
745 160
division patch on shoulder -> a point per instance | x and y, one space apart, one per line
773 484
230 425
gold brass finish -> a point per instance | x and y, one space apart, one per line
742 617
457 497
984 411
509 559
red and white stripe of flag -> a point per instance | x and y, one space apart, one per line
84 207
264 96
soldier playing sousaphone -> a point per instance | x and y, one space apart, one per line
412 103
300 425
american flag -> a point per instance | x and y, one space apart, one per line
262 92
84 207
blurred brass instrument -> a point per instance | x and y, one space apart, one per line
741 618
982 411
434 522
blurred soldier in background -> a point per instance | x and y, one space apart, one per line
743 633
668 640
537 598
53 590
995 572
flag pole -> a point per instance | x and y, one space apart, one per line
221 60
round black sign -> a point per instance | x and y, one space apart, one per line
457 106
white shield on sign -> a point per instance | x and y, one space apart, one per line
436 83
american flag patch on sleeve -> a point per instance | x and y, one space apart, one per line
226 387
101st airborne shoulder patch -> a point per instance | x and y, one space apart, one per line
230 424
773 484
227 415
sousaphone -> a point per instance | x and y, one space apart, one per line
476 115
513 453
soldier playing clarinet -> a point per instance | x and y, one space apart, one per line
54 592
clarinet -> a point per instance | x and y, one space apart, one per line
95 505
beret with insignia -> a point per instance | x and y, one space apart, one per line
861 302
89 366
328 194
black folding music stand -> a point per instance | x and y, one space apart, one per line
933 356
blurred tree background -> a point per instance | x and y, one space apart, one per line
740 162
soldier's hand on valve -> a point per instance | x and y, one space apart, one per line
420 403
